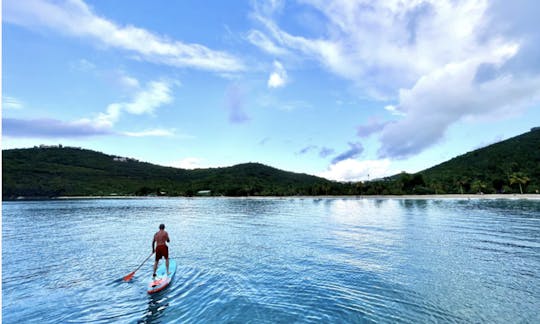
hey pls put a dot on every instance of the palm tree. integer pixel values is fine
(519, 178)
(461, 182)
(477, 186)
(438, 187)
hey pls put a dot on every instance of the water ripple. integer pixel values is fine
(274, 261)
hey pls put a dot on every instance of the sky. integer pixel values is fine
(347, 90)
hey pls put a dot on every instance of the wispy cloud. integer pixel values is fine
(146, 101)
(11, 103)
(262, 41)
(275, 102)
(326, 151)
(278, 77)
(381, 44)
(76, 18)
(440, 61)
(355, 149)
(323, 152)
(151, 132)
(393, 110)
(372, 126)
(128, 81)
(51, 128)
(307, 149)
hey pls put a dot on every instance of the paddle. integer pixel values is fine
(129, 276)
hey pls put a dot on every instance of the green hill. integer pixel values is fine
(510, 166)
(65, 171)
(496, 168)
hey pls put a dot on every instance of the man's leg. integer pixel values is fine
(167, 265)
(159, 255)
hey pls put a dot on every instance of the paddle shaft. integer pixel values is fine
(140, 265)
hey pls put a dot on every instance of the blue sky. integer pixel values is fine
(347, 90)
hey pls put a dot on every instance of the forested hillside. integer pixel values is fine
(497, 168)
(65, 171)
(510, 166)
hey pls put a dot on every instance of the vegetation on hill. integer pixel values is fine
(510, 166)
(65, 171)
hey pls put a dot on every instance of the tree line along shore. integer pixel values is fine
(508, 167)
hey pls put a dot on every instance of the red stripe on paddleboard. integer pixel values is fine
(158, 285)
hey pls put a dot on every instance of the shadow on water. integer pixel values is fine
(157, 304)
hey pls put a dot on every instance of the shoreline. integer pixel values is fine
(461, 196)
(399, 197)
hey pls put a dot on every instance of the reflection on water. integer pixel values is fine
(272, 260)
(157, 304)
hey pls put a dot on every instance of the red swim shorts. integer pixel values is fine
(162, 251)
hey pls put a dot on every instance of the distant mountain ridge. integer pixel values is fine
(509, 166)
(65, 171)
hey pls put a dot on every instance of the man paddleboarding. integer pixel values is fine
(160, 247)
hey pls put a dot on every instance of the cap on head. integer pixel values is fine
(161, 226)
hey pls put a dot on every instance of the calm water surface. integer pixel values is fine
(274, 261)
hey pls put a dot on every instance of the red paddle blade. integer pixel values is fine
(129, 276)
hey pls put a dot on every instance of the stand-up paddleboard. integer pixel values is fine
(162, 280)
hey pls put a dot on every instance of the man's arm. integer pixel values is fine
(153, 241)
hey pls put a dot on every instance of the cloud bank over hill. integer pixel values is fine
(432, 64)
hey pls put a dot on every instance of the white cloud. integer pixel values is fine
(151, 132)
(146, 101)
(275, 102)
(188, 163)
(278, 78)
(449, 95)
(393, 110)
(158, 93)
(430, 57)
(193, 163)
(11, 103)
(110, 117)
(373, 125)
(354, 170)
(51, 128)
(75, 18)
(386, 42)
(129, 82)
(262, 41)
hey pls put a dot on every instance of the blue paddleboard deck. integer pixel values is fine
(162, 280)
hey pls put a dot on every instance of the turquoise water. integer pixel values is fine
(273, 261)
